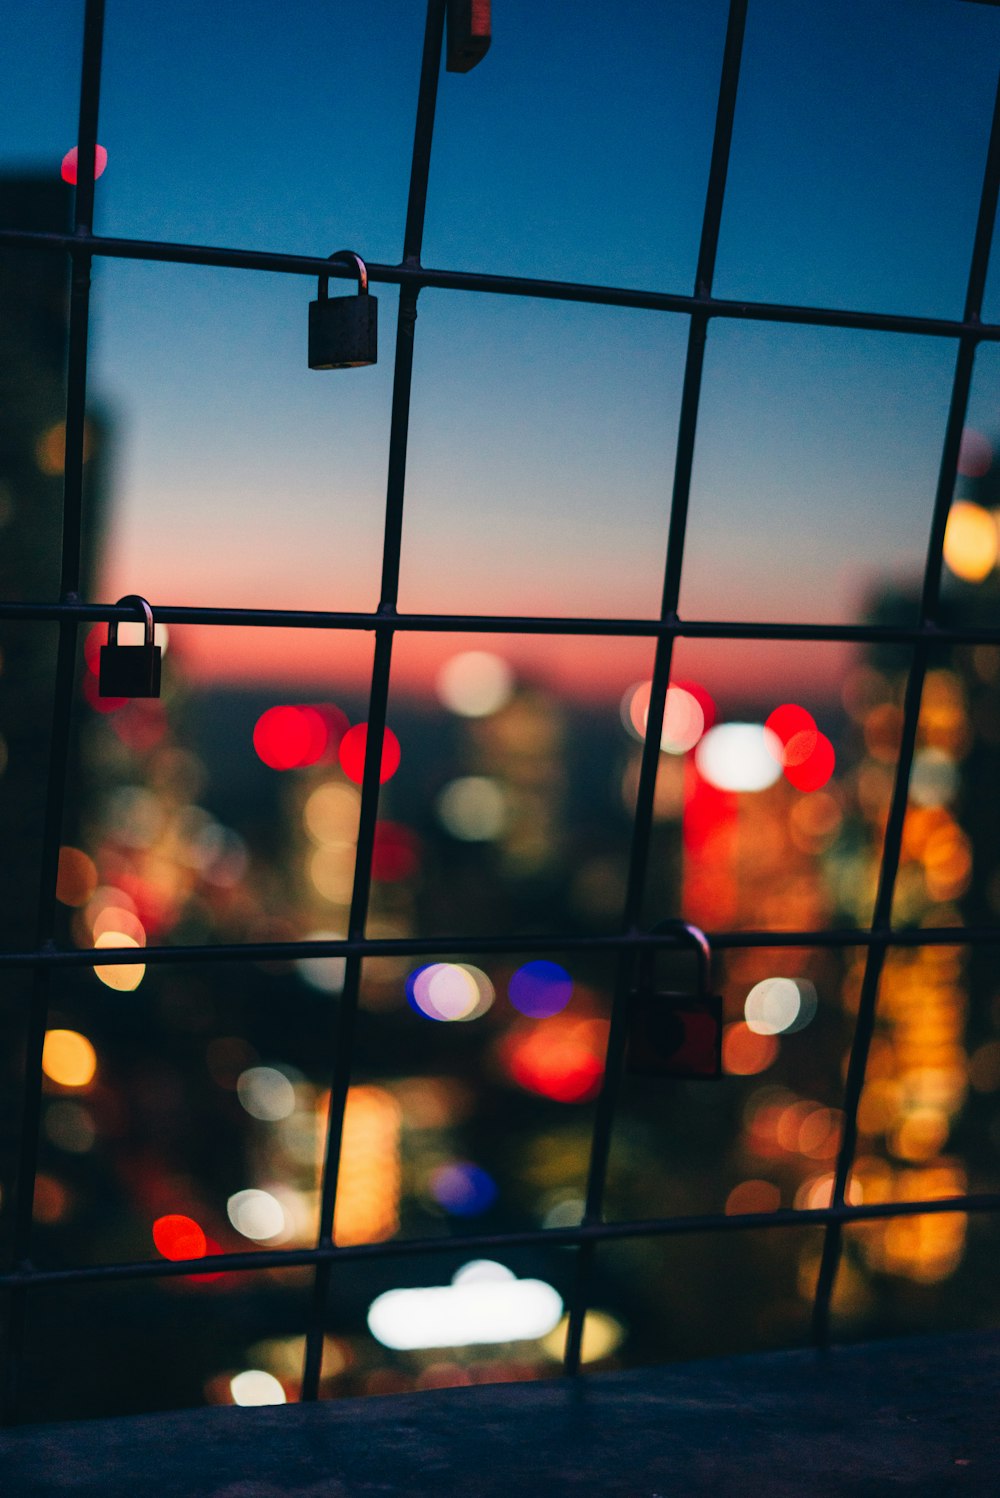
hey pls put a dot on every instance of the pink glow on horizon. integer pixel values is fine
(586, 669)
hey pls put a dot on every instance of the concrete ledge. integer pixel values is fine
(909, 1417)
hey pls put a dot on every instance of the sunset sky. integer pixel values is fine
(542, 435)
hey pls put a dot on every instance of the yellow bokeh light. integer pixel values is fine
(602, 1335)
(370, 1179)
(970, 541)
(68, 1058)
(126, 977)
(332, 812)
(331, 870)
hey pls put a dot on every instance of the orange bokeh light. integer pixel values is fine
(77, 877)
(744, 1052)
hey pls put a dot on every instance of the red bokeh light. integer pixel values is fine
(68, 169)
(710, 835)
(142, 725)
(815, 769)
(336, 723)
(157, 908)
(95, 638)
(211, 1248)
(96, 701)
(179, 1237)
(290, 738)
(395, 854)
(788, 720)
(282, 736)
(352, 753)
(556, 1059)
(317, 736)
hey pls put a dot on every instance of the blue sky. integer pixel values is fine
(543, 436)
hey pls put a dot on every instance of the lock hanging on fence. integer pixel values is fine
(130, 670)
(343, 330)
(675, 1034)
(469, 33)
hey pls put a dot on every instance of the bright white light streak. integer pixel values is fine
(484, 1304)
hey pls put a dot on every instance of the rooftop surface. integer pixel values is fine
(905, 1417)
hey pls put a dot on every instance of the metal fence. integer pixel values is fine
(71, 612)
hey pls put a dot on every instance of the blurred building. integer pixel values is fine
(34, 325)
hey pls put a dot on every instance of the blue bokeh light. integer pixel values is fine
(540, 989)
(463, 1189)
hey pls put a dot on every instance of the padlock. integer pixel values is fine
(130, 670)
(343, 330)
(675, 1034)
(469, 30)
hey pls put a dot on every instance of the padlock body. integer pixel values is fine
(675, 1035)
(469, 27)
(129, 671)
(343, 332)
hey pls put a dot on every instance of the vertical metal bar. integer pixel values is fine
(76, 408)
(381, 671)
(929, 604)
(642, 825)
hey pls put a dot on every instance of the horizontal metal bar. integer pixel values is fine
(569, 1237)
(420, 946)
(514, 624)
(450, 280)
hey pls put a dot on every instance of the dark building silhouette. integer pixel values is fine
(34, 326)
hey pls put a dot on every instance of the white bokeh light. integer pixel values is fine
(473, 808)
(452, 991)
(778, 1006)
(266, 1093)
(325, 973)
(683, 721)
(475, 683)
(256, 1214)
(254, 1386)
(934, 778)
(739, 757)
(485, 1303)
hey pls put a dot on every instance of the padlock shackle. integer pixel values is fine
(694, 937)
(145, 613)
(359, 266)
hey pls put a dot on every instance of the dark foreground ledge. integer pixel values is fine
(915, 1417)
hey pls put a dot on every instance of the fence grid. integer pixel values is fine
(70, 612)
